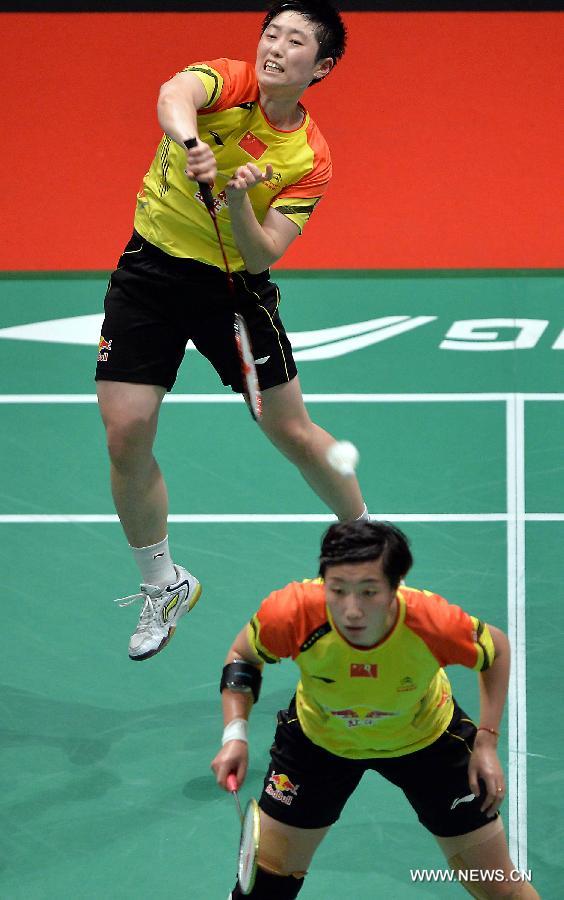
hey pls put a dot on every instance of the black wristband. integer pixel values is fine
(241, 677)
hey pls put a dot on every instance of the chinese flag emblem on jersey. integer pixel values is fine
(364, 670)
(253, 145)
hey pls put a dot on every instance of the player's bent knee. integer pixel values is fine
(129, 439)
(269, 886)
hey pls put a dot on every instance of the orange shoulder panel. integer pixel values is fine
(288, 616)
(314, 182)
(446, 629)
(239, 83)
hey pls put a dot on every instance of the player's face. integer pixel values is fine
(286, 54)
(362, 603)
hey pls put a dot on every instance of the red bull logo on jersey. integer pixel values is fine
(281, 788)
(104, 348)
(353, 718)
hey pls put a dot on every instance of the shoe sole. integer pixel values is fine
(190, 606)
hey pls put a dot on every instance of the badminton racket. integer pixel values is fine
(251, 388)
(250, 838)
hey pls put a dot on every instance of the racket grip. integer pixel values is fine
(204, 188)
(231, 782)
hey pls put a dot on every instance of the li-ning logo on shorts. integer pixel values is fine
(104, 348)
(283, 790)
(467, 799)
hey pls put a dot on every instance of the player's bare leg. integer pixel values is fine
(486, 850)
(284, 856)
(130, 413)
(286, 422)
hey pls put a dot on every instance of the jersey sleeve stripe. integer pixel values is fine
(165, 147)
(312, 638)
(294, 210)
(254, 627)
(484, 641)
(205, 70)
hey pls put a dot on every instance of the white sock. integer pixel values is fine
(363, 517)
(155, 564)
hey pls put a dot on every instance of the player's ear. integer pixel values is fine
(322, 68)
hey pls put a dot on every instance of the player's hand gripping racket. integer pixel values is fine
(250, 838)
(251, 387)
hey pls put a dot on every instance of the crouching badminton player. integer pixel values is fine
(372, 694)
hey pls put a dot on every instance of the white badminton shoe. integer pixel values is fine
(162, 609)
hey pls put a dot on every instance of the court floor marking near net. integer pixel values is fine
(515, 518)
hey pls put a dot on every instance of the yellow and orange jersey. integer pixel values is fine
(170, 212)
(382, 701)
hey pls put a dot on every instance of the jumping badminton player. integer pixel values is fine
(372, 694)
(269, 166)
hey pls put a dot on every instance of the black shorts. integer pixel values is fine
(155, 303)
(307, 787)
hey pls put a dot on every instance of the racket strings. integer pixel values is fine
(251, 387)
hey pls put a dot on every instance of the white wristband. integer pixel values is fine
(236, 730)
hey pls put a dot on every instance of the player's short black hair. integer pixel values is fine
(330, 30)
(362, 541)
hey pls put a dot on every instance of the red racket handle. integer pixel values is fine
(231, 782)
(205, 189)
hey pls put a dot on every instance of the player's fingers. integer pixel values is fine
(241, 771)
(499, 798)
(237, 184)
(491, 796)
(268, 173)
(221, 773)
(200, 152)
(473, 782)
(205, 177)
(215, 767)
(248, 177)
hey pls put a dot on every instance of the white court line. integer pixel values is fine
(266, 518)
(309, 398)
(544, 517)
(248, 518)
(517, 705)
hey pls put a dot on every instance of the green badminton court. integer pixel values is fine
(450, 384)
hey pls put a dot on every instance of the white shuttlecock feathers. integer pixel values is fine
(343, 457)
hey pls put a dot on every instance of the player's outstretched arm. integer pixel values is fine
(484, 762)
(177, 111)
(240, 686)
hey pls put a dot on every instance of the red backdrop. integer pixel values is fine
(446, 129)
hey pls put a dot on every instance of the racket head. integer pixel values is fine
(248, 847)
(248, 370)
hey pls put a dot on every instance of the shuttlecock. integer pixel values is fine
(343, 457)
